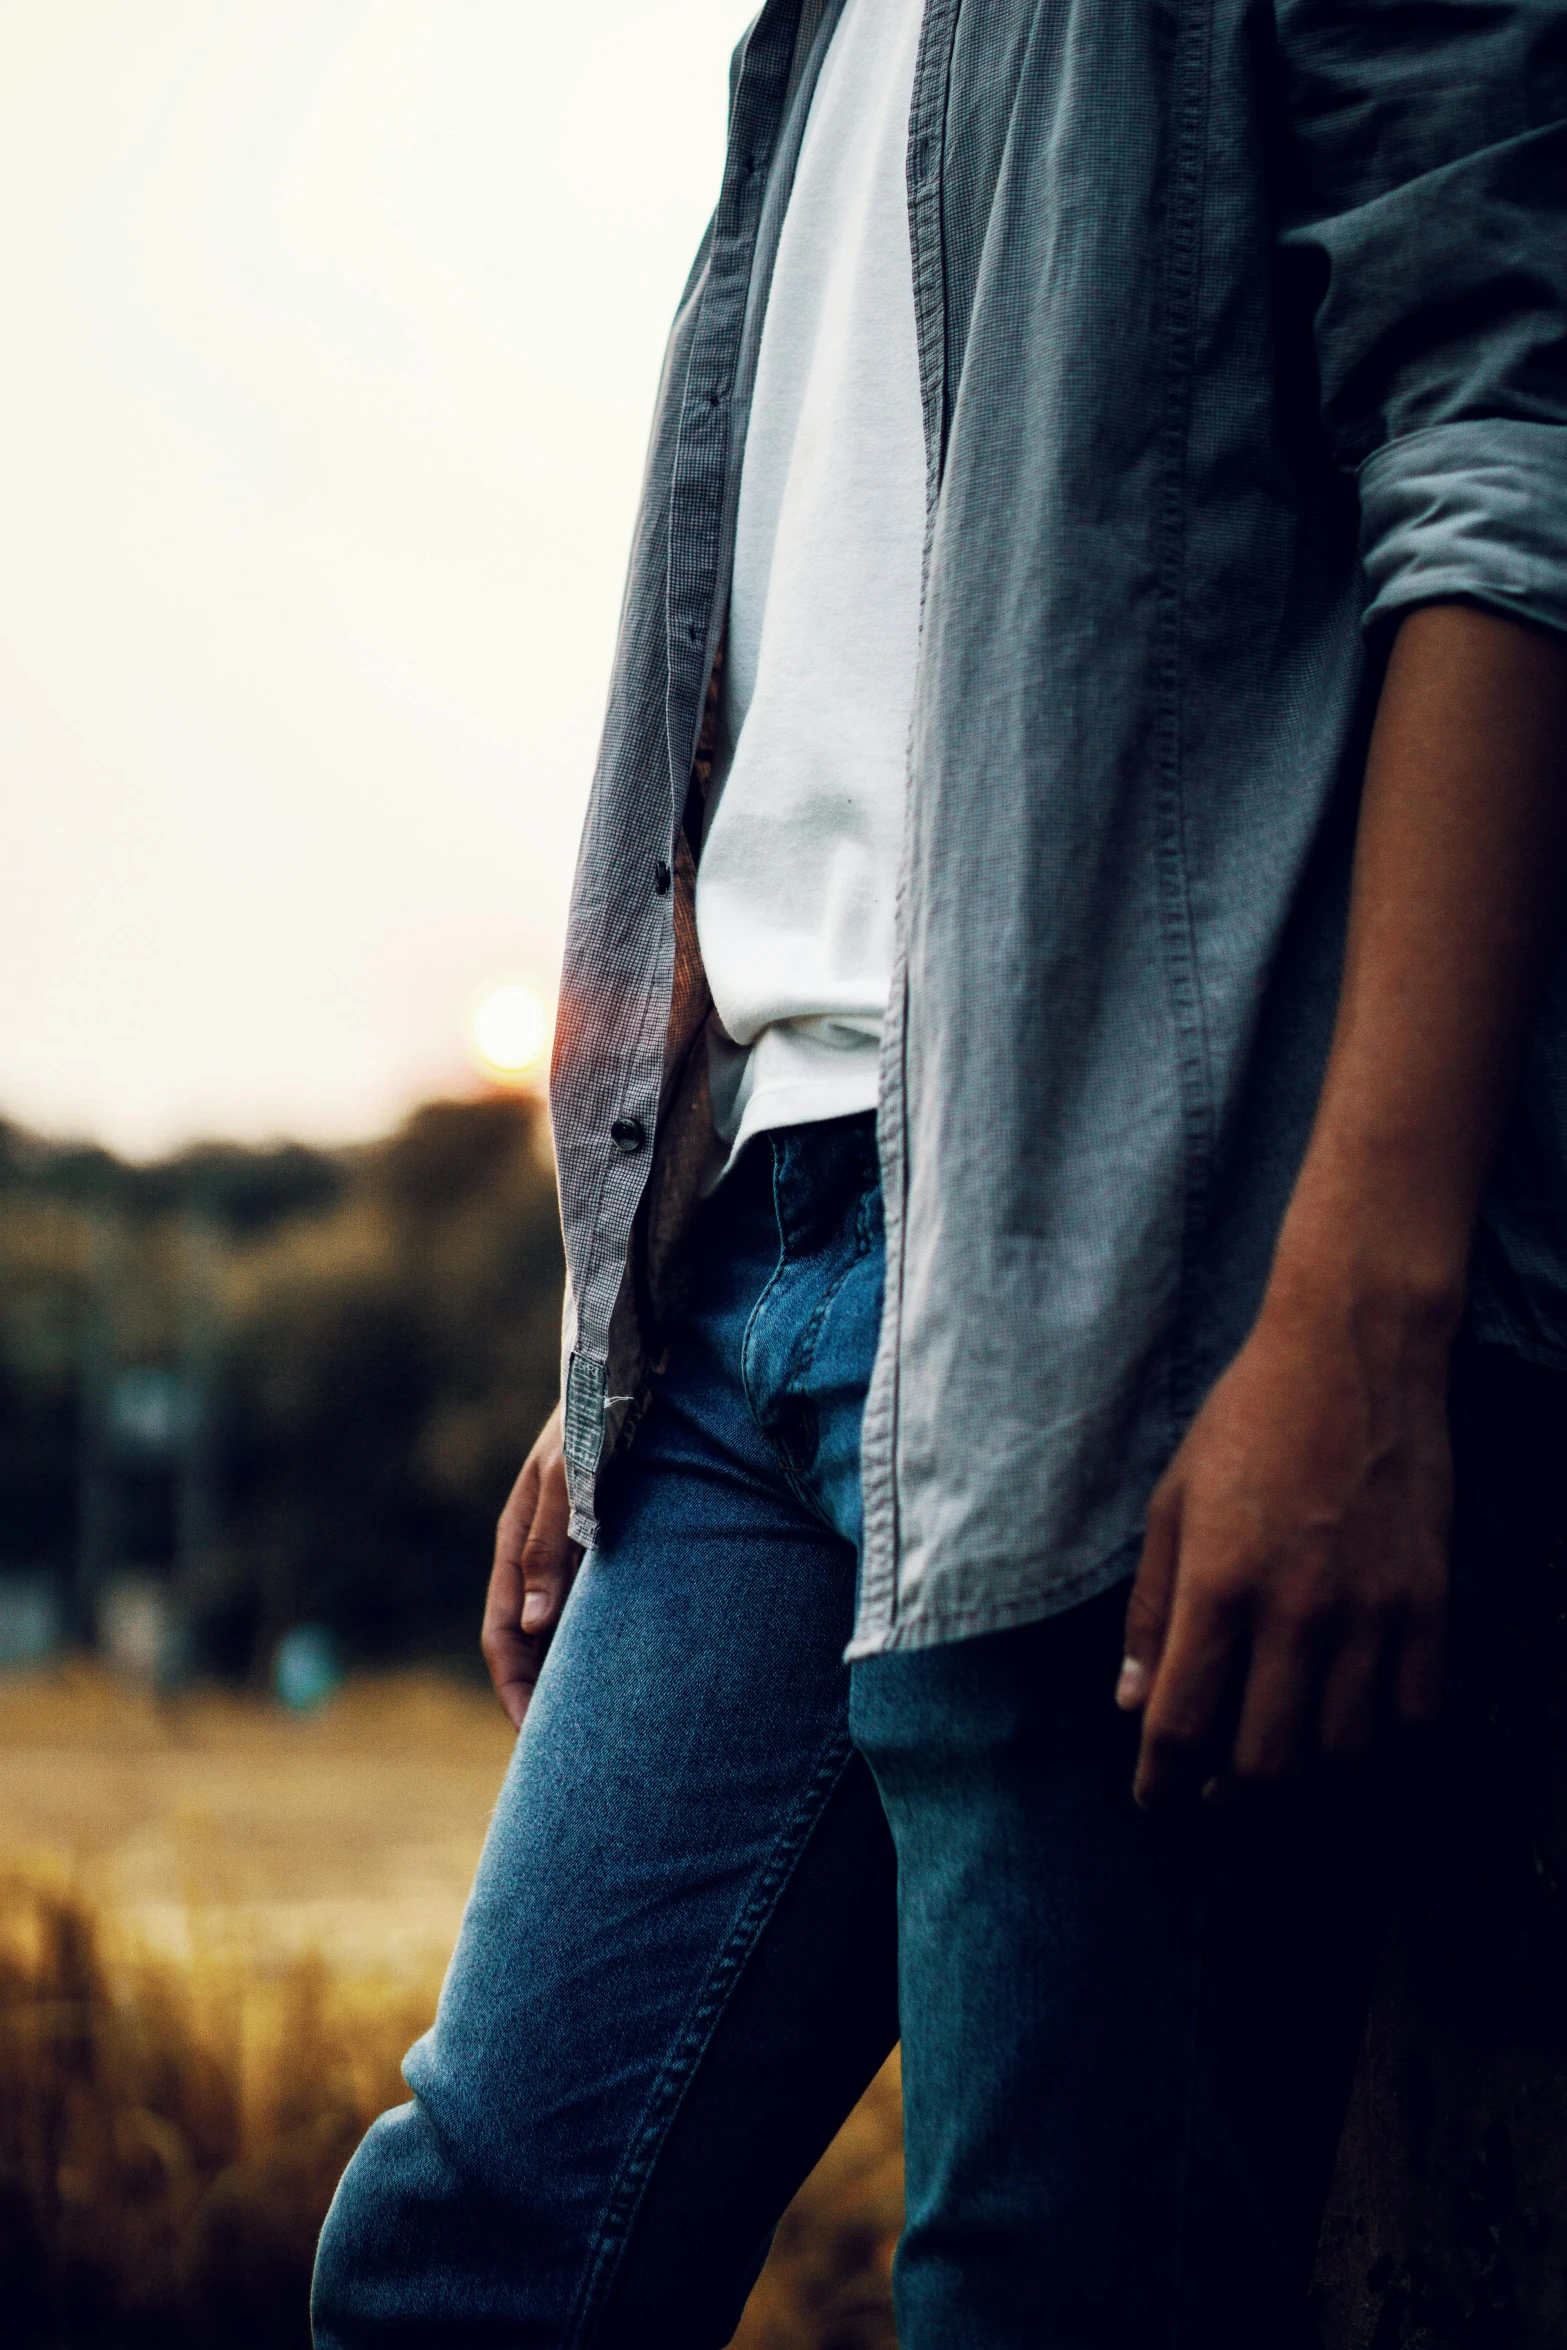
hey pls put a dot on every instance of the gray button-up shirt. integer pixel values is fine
(1242, 328)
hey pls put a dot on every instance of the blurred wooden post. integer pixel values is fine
(95, 1512)
(197, 1527)
(1447, 2228)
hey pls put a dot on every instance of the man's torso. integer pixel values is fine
(1138, 717)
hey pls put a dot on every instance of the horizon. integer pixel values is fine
(64, 1143)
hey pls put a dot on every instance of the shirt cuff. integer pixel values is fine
(1475, 510)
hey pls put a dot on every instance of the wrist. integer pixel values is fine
(1393, 1306)
(1368, 1243)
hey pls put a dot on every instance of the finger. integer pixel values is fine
(549, 1558)
(516, 1519)
(511, 1658)
(1417, 1673)
(1349, 1697)
(510, 1654)
(1148, 1609)
(1281, 1680)
(1197, 1669)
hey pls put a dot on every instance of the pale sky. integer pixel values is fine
(331, 334)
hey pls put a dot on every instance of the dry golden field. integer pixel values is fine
(219, 1928)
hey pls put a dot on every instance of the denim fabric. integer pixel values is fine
(1126, 2043)
(677, 1969)
(1218, 303)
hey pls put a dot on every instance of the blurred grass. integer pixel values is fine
(219, 1930)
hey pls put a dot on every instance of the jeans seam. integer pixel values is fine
(768, 1286)
(806, 1357)
(812, 1337)
(691, 2042)
(805, 1353)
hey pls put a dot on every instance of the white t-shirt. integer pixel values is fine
(795, 887)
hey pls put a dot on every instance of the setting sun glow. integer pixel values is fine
(508, 1030)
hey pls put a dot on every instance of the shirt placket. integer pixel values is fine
(879, 1439)
(694, 612)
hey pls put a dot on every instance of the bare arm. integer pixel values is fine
(1296, 1548)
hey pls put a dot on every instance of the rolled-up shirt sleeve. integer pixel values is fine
(1475, 510)
(1423, 229)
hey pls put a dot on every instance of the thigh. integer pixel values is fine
(677, 1968)
(1127, 2043)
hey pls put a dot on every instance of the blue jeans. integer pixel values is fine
(724, 1871)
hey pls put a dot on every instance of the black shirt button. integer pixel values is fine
(628, 1135)
(661, 877)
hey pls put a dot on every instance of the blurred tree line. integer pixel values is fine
(292, 1384)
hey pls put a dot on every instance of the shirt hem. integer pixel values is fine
(933, 1625)
(1489, 1324)
(780, 1108)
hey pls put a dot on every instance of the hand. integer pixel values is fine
(1296, 1553)
(536, 1563)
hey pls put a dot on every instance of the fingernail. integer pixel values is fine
(1132, 1688)
(535, 1607)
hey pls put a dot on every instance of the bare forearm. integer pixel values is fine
(1457, 894)
(1296, 1548)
